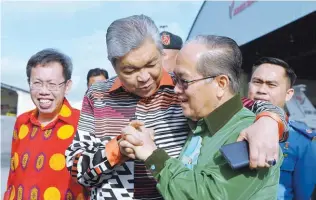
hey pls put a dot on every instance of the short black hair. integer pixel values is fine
(97, 72)
(276, 61)
(49, 55)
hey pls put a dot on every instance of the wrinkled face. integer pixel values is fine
(94, 79)
(270, 83)
(140, 70)
(200, 97)
(48, 88)
(169, 59)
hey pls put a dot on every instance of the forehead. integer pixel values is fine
(269, 72)
(188, 57)
(140, 56)
(98, 77)
(48, 71)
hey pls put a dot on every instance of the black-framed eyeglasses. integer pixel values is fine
(184, 84)
(50, 86)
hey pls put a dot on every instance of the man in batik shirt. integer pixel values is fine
(40, 137)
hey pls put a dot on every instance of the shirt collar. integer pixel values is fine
(219, 117)
(65, 114)
(166, 80)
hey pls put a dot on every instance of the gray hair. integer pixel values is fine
(49, 55)
(224, 57)
(129, 33)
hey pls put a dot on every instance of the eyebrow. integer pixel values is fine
(154, 59)
(274, 82)
(47, 81)
(259, 79)
(129, 65)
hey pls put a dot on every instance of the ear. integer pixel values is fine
(289, 94)
(68, 86)
(249, 85)
(223, 84)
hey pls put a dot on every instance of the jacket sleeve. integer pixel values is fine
(11, 176)
(175, 181)
(86, 156)
(304, 173)
(264, 106)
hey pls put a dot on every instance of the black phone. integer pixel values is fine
(236, 154)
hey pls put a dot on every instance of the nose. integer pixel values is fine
(44, 90)
(262, 89)
(143, 76)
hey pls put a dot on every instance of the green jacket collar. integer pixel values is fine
(219, 117)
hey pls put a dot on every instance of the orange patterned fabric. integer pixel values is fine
(38, 166)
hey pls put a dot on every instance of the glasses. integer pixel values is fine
(50, 86)
(184, 84)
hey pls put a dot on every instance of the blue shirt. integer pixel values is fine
(298, 170)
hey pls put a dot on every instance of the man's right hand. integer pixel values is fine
(133, 140)
(129, 133)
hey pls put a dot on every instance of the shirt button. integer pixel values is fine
(152, 167)
(309, 131)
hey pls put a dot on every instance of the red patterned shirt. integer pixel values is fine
(38, 168)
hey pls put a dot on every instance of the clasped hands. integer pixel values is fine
(137, 141)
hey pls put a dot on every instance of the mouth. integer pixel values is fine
(146, 87)
(45, 103)
(183, 100)
(261, 99)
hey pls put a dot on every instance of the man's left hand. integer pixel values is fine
(263, 139)
(145, 135)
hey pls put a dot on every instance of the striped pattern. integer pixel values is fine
(261, 106)
(103, 115)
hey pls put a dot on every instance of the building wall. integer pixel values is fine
(310, 89)
(9, 100)
(14, 103)
(245, 21)
(24, 102)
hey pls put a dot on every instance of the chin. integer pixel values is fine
(146, 94)
(46, 111)
(186, 112)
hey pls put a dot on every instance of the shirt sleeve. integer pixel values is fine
(265, 106)
(86, 157)
(304, 173)
(175, 181)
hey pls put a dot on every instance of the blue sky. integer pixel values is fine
(78, 29)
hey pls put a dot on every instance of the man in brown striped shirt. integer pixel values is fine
(142, 90)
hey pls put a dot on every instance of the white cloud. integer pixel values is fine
(90, 52)
(13, 72)
(87, 52)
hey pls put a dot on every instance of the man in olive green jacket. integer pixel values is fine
(207, 82)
